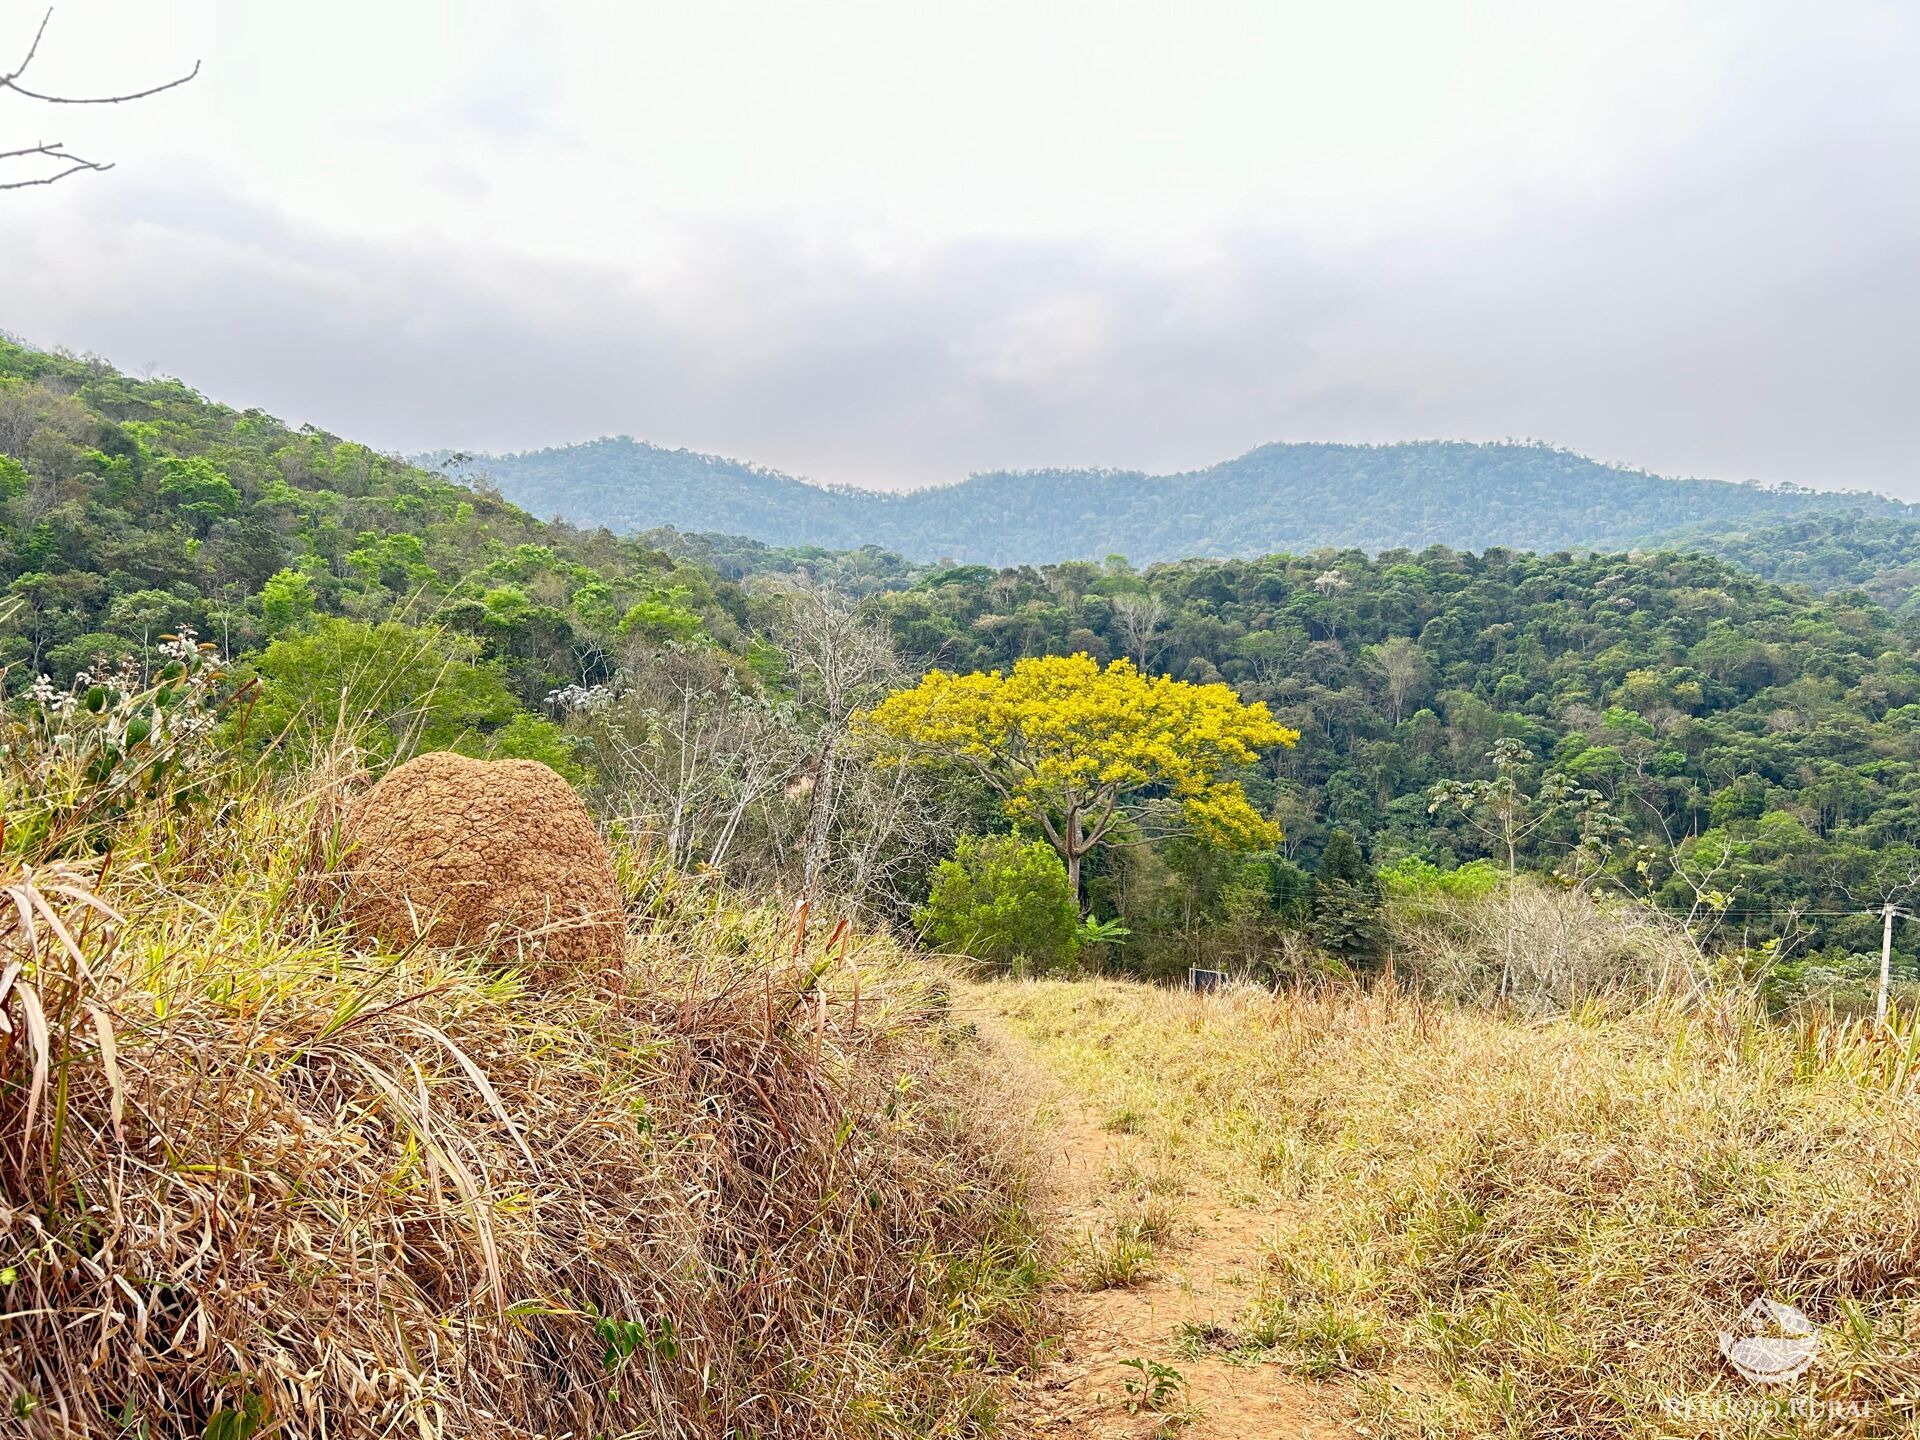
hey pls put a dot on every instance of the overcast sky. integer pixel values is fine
(890, 243)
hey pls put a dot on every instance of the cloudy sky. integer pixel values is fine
(890, 243)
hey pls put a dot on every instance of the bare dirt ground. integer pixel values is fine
(1198, 1285)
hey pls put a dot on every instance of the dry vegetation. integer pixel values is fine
(258, 1178)
(1491, 1226)
(1449, 941)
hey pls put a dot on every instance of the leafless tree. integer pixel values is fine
(1894, 884)
(1403, 669)
(58, 161)
(764, 785)
(891, 822)
(838, 662)
(1139, 618)
(688, 754)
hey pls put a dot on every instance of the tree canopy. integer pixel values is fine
(1083, 752)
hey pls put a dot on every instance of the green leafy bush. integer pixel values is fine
(393, 688)
(1417, 879)
(286, 602)
(662, 619)
(1003, 900)
(76, 762)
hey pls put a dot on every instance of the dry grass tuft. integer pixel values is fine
(1503, 1227)
(255, 1179)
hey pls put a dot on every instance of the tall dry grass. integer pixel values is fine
(1497, 1226)
(259, 1179)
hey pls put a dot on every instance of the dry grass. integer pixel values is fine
(258, 1179)
(1576, 949)
(1496, 1227)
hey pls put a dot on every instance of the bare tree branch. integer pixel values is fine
(74, 163)
(32, 50)
(57, 151)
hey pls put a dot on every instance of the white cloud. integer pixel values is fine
(891, 243)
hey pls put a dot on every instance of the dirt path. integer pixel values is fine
(1196, 1285)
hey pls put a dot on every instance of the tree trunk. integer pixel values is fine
(813, 845)
(1887, 912)
(1506, 970)
(1073, 851)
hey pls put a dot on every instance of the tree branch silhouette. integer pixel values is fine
(56, 152)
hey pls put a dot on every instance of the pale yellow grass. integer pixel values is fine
(260, 1178)
(1491, 1227)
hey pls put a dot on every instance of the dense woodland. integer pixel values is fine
(1876, 554)
(130, 508)
(1756, 749)
(1278, 497)
(1745, 732)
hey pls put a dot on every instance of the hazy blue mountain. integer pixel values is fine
(1279, 497)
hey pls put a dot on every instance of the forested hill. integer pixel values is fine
(131, 508)
(1775, 737)
(1280, 497)
(629, 486)
(1877, 554)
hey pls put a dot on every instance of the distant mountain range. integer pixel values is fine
(1279, 497)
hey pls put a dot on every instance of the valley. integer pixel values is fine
(1105, 861)
(1541, 896)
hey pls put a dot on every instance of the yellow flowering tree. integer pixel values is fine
(1077, 750)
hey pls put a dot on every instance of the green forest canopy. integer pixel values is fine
(1776, 732)
(1716, 711)
(130, 508)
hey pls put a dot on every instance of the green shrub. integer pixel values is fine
(663, 620)
(394, 688)
(1003, 900)
(286, 602)
(1417, 879)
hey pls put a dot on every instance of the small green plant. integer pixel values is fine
(244, 1423)
(1153, 1388)
(1095, 931)
(118, 739)
(1321, 1337)
(1193, 1341)
(1153, 1217)
(625, 1338)
(1116, 1257)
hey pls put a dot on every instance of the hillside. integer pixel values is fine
(1711, 706)
(1767, 736)
(1877, 554)
(130, 508)
(619, 1202)
(1278, 497)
